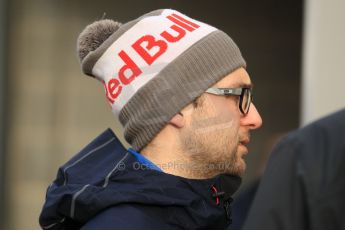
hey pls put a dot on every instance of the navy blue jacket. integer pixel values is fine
(106, 187)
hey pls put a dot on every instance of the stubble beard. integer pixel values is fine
(212, 153)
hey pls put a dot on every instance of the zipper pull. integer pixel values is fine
(228, 211)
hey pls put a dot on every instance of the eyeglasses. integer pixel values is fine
(246, 96)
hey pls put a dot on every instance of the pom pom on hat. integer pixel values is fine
(94, 35)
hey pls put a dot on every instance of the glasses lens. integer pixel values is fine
(246, 101)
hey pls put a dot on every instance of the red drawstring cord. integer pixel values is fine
(215, 191)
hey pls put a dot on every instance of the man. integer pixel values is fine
(180, 89)
(303, 185)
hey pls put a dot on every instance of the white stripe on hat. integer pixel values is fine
(147, 50)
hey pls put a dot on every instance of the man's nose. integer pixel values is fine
(252, 119)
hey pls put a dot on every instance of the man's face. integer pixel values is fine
(216, 132)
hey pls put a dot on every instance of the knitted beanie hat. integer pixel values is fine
(154, 66)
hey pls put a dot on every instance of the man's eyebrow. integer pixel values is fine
(245, 85)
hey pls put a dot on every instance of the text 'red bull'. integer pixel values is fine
(129, 71)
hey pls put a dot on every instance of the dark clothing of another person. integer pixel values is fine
(304, 183)
(106, 187)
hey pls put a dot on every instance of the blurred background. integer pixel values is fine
(49, 110)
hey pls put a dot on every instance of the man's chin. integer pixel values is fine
(239, 169)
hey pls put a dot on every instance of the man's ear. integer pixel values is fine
(177, 120)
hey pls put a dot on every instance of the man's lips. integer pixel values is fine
(245, 141)
(243, 144)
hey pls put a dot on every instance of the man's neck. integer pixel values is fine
(173, 161)
(165, 152)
